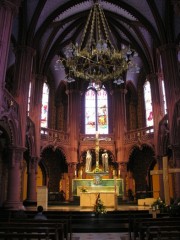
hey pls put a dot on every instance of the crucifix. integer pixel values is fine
(165, 172)
(97, 140)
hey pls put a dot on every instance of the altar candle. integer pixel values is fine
(119, 172)
(75, 173)
(97, 134)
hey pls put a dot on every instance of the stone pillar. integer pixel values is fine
(176, 158)
(71, 174)
(14, 200)
(35, 108)
(23, 75)
(123, 171)
(119, 121)
(171, 79)
(74, 122)
(8, 9)
(157, 102)
(161, 183)
(31, 181)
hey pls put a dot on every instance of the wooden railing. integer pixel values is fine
(142, 134)
(51, 135)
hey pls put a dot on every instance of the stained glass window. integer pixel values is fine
(96, 111)
(29, 98)
(164, 98)
(148, 104)
(44, 109)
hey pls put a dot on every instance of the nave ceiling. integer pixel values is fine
(48, 26)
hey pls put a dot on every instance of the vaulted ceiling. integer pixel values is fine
(48, 26)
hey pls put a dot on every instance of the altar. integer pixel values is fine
(88, 199)
(105, 186)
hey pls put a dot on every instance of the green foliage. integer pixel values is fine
(174, 207)
(99, 207)
(159, 205)
(83, 189)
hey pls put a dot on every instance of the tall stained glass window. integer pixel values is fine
(44, 109)
(96, 111)
(164, 98)
(29, 98)
(148, 104)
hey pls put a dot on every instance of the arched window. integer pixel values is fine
(29, 99)
(148, 104)
(164, 98)
(163, 88)
(44, 109)
(96, 111)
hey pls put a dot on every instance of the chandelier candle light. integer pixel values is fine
(95, 59)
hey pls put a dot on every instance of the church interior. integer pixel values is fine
(89, 102)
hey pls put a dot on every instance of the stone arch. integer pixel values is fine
(111, 160)
(54, 164)
(141, 161)
(5, 143)
(176, 125)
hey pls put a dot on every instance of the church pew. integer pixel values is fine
(56, 230)
(163, 232)
(27, 236)
(140, 226)
(56, 217)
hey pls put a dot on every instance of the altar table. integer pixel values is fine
(88, 199)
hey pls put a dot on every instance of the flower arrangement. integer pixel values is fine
(99, 207)
(174, 207)
(83, 189)
(159, 205)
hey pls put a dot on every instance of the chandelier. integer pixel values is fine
(96, 59)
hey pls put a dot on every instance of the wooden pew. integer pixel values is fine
(141, 226)
(53, 230)
(52, 217)
(27, 236)
(163, 233)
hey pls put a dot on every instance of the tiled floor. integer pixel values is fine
(100, 236)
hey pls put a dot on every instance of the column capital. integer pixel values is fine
(17, 155)
(168, 46)
(152, 76)
(25, 49)
(13, 5)
(118, 90)
(176, 5)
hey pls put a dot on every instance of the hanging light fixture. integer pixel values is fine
(96, 59)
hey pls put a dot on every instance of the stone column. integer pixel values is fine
(74, 122)
(176, 158)
(157, 101)
(35, 108)
(14, 200)
(23, 75)
(71, 174)
(31, 181)
(8, 9)
(123, 171)
(161, 183)
(171, 79)
(119, 121)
